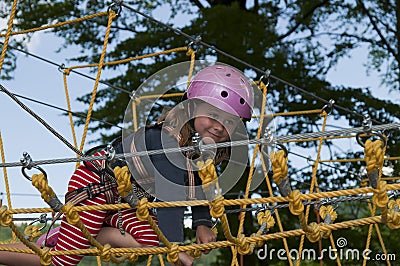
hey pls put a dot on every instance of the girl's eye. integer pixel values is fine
(213, 115)
(229, 122)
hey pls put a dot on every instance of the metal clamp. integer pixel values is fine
(367, 126)
(328, 108)
(194, 45)
(110, 153)
(42, 219)
(196, 142)
(27, 163)
(335, 204)
(62, 68)
(371, 133)
(118, 4)
(282, 147)
(266, 76)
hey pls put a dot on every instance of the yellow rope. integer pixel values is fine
(111, 16)
(123, 177)
(264, 90)
(71, 121)
(58, 24)
(373, 154)
(6, 183)
(312, 235)
(279, 166)
(127, 60)
(8, 33)
(393, 219)
(32, 232)
(285, 244)
(39, 181)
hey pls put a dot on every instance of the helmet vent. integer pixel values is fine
(242, 101)
(224, 94)
(228, 74)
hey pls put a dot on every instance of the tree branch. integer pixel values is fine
(197, 3)
(309, 13)
(375, 26)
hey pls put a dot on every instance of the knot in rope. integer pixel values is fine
(45, 257)
(394, 214)
(123, 177)
(172, 255)
(32, 231)
(39, 181)
(259, 243)
(67, 71)
(323, 113)
(5, 217)
(314, 232)
(380, 197)
(364, 182)
(261, 85)
(197, 254)
(133, 257)
(207, 171)
(71, 215)
(217, 207)
(190, 52)
(142, 211)
(106, 253)
(265, 218)
(279, 166)
(244, 247)
(296, 206)
(374, 154)
(328, 213)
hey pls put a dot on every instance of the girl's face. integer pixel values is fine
(211, 122)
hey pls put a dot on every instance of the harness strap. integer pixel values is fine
(191, 190)
(90, 191)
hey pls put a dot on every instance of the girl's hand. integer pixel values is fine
(204, 234)
(185, 259)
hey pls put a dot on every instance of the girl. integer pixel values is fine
(217, 100)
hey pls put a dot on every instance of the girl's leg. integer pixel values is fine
(141, 231)
(70, 236)
(17, 259)
(112, 236)
(108, 235)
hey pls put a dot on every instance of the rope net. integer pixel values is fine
(376, 190)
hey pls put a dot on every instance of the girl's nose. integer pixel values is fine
(218, 126)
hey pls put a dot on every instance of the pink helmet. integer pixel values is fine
(224, 87)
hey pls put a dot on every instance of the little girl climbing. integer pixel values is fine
(218, 99)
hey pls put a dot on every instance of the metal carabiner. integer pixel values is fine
(367, 126)
(42, 219)
(371, 133)
(266, 76)
(110, 153)
(116, 3)
(194, 45)
(27, 163)
(328, 108)
(196, 142)
(282, 147)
